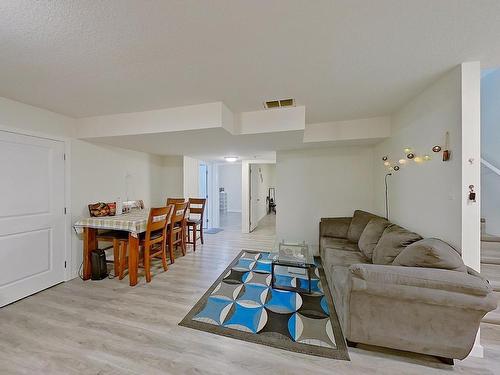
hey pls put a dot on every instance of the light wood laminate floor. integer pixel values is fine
(106, 327)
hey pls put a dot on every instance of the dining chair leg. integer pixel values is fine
(116, 256)
(194, 237)
(164, 256)
(201, 232)
(171, 247)
(147, 263)
(183, 240)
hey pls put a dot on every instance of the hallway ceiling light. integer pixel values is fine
(231, 159)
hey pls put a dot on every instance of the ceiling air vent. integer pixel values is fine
(279, 103)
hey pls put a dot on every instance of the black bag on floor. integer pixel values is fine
(99, 268)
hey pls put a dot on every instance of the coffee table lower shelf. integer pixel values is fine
(309, 270)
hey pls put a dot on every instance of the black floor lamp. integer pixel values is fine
(387, 196)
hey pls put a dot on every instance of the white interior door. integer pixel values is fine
(254, 196)
(32, 246)
(203, 189)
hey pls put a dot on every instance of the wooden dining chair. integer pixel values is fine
(175, 200)
(176, 231)
(194, 222)
(152, 242)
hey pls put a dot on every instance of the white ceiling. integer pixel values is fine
(342, 59)
(215, 143)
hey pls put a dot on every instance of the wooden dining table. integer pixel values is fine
(133, 223)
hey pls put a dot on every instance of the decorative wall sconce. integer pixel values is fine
(411, 155)
(446, 152)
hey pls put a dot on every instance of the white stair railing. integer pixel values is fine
(490, 166)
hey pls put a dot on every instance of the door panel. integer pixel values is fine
(254, 196)
(17, 248)
(32, 246)
(28, 169)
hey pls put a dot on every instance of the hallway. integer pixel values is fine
(266, 226)
(231, 221)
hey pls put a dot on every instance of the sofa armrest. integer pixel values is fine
(334, 226)
(427, 278)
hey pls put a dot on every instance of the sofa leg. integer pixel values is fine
(351, 344)
(448, 361)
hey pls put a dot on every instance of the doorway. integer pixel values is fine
(262, 198)
(229, 188)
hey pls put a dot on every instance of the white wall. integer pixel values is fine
(366, 128)
(191, 177)
(169, 182)
(425, 197)
(490, 150)
(230, 179)
(16, 115)
(104, 173)
(317, 183)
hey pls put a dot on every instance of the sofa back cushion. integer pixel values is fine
(358, 223)
(334, 227)
(371, 235)
(431, 253)
(391, 244)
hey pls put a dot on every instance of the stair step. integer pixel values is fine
(490, 246)
(492, 273)
(493, 317)
(490, 260)
(490, 252)
(490, 238)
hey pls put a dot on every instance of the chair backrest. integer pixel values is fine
(175, 200)
(131, 205)
(197, 206)
(158, 219)
(179, 212)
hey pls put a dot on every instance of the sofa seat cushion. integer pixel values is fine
(371, 235)
(339, 244)
(334, 257)
(358, 223)
(391, 244)
(340, 290)
(431, 253)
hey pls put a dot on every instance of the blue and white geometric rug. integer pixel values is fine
(241, 304)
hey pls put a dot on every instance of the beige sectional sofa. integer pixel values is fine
(392, 288)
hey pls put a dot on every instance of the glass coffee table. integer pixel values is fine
(292, 260)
